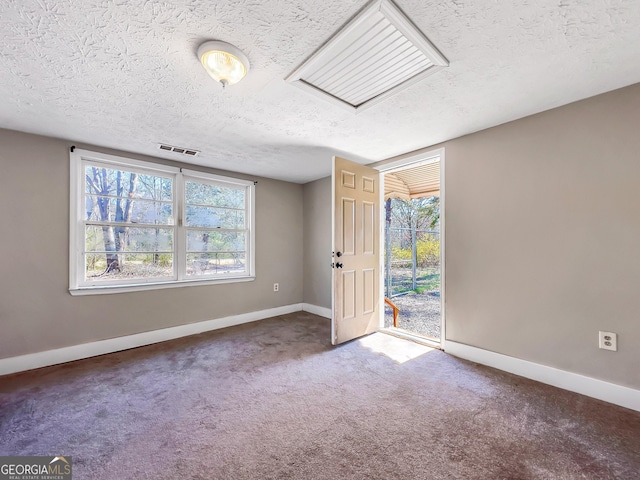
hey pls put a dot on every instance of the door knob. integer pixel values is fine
(339, 254)
(338, 265)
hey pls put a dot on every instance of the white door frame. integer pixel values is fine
(414, 160)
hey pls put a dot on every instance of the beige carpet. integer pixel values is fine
(273, 400)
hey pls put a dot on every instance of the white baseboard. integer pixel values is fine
(591, 387)
(86, 350)
(316, 310)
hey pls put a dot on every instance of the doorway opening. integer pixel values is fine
(413, 221)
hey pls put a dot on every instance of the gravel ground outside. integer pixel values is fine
(419, 313)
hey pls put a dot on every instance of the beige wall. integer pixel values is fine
(542, 232)
(543, 237)
(317, 242)
(36, 310)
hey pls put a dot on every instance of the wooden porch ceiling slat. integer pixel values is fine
(414, 182)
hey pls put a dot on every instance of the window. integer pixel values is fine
(137, 225)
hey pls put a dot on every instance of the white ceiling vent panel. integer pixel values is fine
(375, 55)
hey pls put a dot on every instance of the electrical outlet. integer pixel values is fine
(608, 341)
(276, 287)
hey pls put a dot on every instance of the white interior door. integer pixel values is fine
(356, 259)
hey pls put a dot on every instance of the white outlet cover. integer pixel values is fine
(608, 341)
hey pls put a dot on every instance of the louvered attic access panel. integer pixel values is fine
(374, 56)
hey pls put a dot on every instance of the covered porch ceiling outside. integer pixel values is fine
(413, 182)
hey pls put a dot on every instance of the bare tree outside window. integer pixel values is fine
(141, 225)
(412, 245)
(117, 201)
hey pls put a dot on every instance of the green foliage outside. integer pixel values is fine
(141, 242)
(427, 250)
(408, 221)
(428, 281)
(428, 266)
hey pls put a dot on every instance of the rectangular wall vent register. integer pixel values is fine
(181, 150)
(374, 56)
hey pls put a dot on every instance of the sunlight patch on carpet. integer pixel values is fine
(397, 349)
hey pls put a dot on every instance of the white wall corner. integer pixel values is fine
(591, 387)
(101, 347)
(316, 310)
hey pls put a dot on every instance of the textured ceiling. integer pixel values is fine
(124, 74)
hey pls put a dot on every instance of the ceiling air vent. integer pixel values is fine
(372, 57)
(184, 151)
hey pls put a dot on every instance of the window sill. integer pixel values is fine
(107, 289)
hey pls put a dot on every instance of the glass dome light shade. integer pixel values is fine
(224, 62)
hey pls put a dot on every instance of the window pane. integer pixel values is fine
(104, 209)
(214, 217)
(208, 241)
(215, 263)
(127, 239)
(134, 230)
(214, 195)
(128, 266)
(125, 184)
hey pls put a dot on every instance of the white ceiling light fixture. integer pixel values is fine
(372, 57)
(223, 62)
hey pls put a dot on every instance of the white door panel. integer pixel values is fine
(356, 290)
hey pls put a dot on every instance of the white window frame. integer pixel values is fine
(77, 284)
